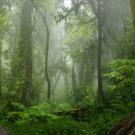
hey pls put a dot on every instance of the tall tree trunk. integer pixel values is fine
(101, 95)
(73, 77)
(132, 3)
(0, 63)
(26, 49)
(46, 57)
(66, 86)
(74, 85)
(99, 14)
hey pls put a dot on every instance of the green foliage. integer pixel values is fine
(122, 77)
(80, 46)
(11, 107)
(38, 120)
(80, 96)
(33, 122)
(103, 118)
(90, 95)
(79, 38)
(84, 96)
(3, 17)
(13, 116)
(64, 107)
(41, 108)
(128, 44)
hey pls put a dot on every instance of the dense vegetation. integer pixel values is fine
(67, 67)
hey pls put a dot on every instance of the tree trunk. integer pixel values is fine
(132, 4)
(26, 49)
(124, 127)
(66, 86)
(101, 95)
(97, 8)
(73, 77)
(0, 64)
(46, 57)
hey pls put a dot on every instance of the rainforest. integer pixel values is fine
(67, 67)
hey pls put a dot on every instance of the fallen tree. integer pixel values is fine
(124, 127)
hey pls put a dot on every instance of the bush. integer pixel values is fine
(122, 79)
(64, 107)
(13, 117)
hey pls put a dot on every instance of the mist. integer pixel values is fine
(67, 61)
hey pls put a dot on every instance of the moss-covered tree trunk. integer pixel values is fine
(26, 50)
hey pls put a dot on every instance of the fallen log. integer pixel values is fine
(124, 127)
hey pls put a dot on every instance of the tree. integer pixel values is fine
(132, 3)
(21, 63)
(46, 57)
(3, 5)
(87, 45)
(101, 94)
(1, 35)
(26, 48)
(98, 10)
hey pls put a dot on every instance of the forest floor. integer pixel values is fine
(39, 120)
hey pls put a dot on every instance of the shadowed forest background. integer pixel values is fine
(67, 67)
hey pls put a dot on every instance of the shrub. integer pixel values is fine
(122, 79)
